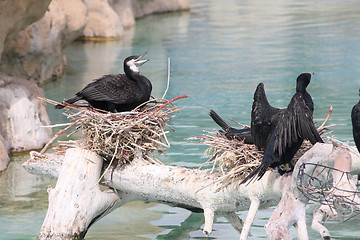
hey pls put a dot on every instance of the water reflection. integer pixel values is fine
(23, 202)
(124, 221)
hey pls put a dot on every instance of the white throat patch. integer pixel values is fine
(133, 67)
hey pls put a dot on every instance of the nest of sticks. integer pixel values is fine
(119, 135)
(235, 159)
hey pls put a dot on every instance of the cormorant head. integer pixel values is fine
(134, 62)
(303, 81)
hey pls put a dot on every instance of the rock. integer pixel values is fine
(14, 17)
(37, 52)
(103, 20)
(124, 10)
(108, 18)
(76, 18)
(17, 15)
(142, 8)
(4, 157)
(21, 115)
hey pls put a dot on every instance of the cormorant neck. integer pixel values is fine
(301, 87)
(141, 80)
(130, 73)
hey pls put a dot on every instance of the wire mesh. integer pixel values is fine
(319, 185)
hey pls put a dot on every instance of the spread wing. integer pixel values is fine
(110, 88)
(262, 114)
(294, 124)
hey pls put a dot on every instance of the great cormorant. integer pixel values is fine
(230, 132)
(355, 119)
(118, 92)
(280, 132)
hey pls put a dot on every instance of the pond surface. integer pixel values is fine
(219, 52)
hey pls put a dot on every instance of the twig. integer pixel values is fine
(156, 100)
(112, 159)
(170, 101)
(56, 135)
(56, 125)
(243, 125)
(327, 118)
(168, 80)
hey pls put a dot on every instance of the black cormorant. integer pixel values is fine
(280, 132)
(230, 132)
(355, 119)
(118, 92)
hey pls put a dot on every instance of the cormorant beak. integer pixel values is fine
(138, 62)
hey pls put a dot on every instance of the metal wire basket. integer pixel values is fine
(340, 194)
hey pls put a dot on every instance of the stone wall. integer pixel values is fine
(15, 15)
(37, 52)
(108, 18)
(22, 114)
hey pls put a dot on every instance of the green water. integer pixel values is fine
(219, 52)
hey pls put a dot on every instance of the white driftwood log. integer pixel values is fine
(189, 188)
(77, 202)
(291, 209)
(289, 212)
(344, 186)
(319, 154)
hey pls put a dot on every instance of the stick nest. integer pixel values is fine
(118, 135)
(236, 159)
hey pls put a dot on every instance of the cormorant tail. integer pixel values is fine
(257, 173)
(219, 120)
(70, 101)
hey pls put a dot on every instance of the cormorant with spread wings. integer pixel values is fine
(280, 132)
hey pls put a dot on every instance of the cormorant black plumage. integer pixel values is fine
(355, 119)
(230, 132)
(280, 132)
(119, 92)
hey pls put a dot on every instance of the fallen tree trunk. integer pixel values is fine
(290, 211)
(69, 215)
(188, 188)
(179, 186)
